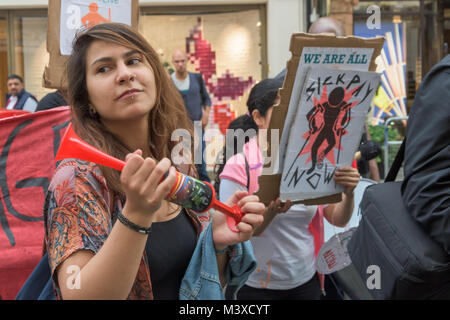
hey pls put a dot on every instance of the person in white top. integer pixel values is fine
(283, 244)
(17, 98)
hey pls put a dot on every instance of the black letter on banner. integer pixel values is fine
(5, 227)
(3, 180)
(57, 137)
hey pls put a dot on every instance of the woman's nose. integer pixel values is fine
(125, 75)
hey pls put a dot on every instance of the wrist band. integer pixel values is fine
(132, 225)
(221, 251)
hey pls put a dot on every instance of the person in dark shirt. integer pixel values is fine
(52, 100)
(196, 100)
(426, 186)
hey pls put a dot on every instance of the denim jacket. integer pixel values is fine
(201, 280)
(81, 190)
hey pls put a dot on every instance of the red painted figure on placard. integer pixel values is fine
(93, 18)
(334, 116)
(327, 122)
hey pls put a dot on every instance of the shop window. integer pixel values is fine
(446, 11)
(230, 53)
(30, 51)
(414, 40)
(225, 44)
(424, 30)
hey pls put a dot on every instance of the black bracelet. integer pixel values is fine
(132, 225)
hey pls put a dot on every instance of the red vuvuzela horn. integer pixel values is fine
(73, 147)
(188, 192)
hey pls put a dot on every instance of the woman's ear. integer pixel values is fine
(258, 118)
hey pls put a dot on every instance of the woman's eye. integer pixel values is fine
(134, 61)
(103, 69)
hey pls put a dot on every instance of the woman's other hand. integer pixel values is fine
(252, 217)
(277, 206)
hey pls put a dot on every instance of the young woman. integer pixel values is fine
(285, 251)
(110, 234)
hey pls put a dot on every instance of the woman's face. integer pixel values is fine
(264, 121)
(120, 82)
(266, 118)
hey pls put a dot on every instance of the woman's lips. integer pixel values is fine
(128, 94)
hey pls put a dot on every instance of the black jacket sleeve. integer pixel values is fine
(426, 187)
(51, 100)
(206, 101)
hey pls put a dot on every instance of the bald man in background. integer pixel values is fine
(321, 25)
(327, 25)
(196, 99)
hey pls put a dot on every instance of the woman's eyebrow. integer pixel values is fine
(103, 59)
(130, 53)
(109, 59)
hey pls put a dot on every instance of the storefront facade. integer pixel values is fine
(425, 25)
(249, 39)
(417, 35)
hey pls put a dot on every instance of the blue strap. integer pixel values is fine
(39, 285)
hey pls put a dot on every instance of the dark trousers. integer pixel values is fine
(307, 291)
(201, 168)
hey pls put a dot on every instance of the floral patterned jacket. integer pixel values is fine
(79, 215)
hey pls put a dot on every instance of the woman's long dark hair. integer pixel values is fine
(167, 115)
(262, 97)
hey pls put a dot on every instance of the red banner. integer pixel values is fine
(28, 144)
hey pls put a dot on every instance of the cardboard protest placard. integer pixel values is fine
(334, 104)
(67, 17)
(346, 53)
